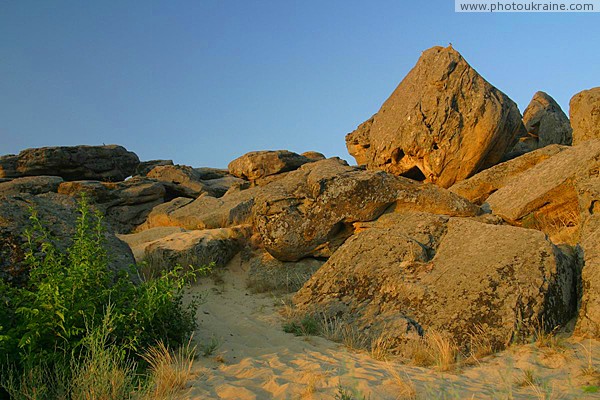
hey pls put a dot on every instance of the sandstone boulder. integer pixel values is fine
(58, 213)
(181, 181)
(544, 196)
(140, 240)
(258, 164)
(195, 248)
(124, 204)
(427, 273)
(480, 186)
(31, 185)
(106, 163)
(146, 166)
(584, 110)
(207, 173)
(310, 211)
(546, 124)
(313, 155)
(268, 274)
(443, 123)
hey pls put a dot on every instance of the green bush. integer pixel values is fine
(68, 293)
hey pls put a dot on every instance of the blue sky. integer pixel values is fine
(204, 81)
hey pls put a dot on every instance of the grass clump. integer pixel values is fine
(78, 324)
(306, 326)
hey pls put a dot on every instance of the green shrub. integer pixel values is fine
(49, 320)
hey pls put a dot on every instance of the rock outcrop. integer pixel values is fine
(124, 204)
(546, 124)
(443, 123)
(480, 186)
(146, 166)
(31, 185)
(584, 111)
(259, 164)
(420, 273)
(110, 163)
(310, 212)
(546, 193)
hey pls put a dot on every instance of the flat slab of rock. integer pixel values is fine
(146, 166)
(584, 111)
(430, 273)
(104, 163)
(547, 190)
(31, 185)
(546, 124)
(140, 240)
(443, 123)
(480, 186)
(259, 164)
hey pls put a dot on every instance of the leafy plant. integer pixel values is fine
(51, 320)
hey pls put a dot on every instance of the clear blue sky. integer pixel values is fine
(204, 81)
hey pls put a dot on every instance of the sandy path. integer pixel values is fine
(255, 359)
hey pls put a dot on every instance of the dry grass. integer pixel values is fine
(406, 387)
(433, 349)
(381, 347)
(169, 370)
(561, 228)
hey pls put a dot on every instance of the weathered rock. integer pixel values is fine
(480, 186)
(588, 191)
(31, 185)
(313, 155)
(181, 181)
(546, 124)
(195, 248)
(423, 274)
(146, 166)
(106, 163)
(140, 240)
(544, 197)
(218, 187)
(58, 213)
(207, 173)
(124, 204)
(267, 274)
(584, 110)
(443, 123)
(258, 164)
(310, 212)
(206, 212)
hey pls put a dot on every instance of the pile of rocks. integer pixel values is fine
(462, 216)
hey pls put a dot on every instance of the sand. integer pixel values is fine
(255, 359)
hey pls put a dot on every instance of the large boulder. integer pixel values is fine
(139, 241)
(588, 191)
(258, 164)
(480, 186)
(546, 124)
(545, 196)
(429, 273)
(31, 185)
(182, 181)
(443, 123)
(146, 166)
(58, 214)
(106, 163)
(584, 110)
(198, 248)
(124, 204)
(310, 211)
